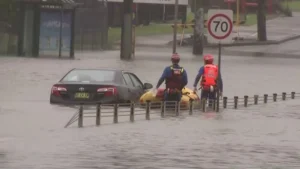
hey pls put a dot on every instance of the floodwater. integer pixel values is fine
(265, 136)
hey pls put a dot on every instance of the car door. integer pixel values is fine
(130, 86)
(138, 86)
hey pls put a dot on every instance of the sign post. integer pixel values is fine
(219, 26)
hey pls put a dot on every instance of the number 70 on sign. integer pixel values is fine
(220, 26)
(224, 26)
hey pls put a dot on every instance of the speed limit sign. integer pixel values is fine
(220, 26)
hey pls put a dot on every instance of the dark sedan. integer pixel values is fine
(91, 86)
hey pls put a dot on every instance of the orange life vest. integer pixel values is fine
(210, 75)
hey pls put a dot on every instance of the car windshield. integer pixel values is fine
(90, 76)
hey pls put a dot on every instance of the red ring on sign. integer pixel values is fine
(230, 26)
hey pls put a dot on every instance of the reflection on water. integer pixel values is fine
(264, 136)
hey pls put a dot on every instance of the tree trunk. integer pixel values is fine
(261, 21)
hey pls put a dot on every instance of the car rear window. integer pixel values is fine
(90, 75)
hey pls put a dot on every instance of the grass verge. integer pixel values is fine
(252, 19)
(293, 5)
(114, 34)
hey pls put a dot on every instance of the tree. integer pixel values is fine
(261, 21)
(198, 36)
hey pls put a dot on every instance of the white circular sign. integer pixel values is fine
(219, 26)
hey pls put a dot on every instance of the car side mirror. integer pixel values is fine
(147, 86)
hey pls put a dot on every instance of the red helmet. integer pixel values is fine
(208, 59)
(175, 58)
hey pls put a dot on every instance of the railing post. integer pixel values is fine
(98, 114)
(293, 95)
(116, 113)
(214, 103)
(224, 102)
(132, 106)
(148, 109)
(80, 116)
(203, 104)
(191, 107)
(236, 100)
(256, 99)
(246, 101)
(177, 108)
(283, 95)
(163, 108)
(274, 97)
(265, 98)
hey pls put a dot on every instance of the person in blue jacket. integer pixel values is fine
(209, 76)
(176, 79)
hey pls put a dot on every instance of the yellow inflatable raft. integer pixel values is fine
(187, 94)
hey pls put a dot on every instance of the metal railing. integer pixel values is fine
(168, 108)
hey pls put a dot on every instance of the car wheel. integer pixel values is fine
(51, 101)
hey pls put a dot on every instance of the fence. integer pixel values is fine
(165, 109)
(91, 27)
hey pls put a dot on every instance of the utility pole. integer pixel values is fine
(60, 30)
(175, 27)
(104, 30)
(126, 32)
(261, 21)
(238, 18)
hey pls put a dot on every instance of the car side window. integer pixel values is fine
(124, 82)
(127, 79)
(136, 81)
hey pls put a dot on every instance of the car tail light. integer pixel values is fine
(57, 89)
(108, 91)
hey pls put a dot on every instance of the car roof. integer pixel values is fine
(108, 69)
(117, 71)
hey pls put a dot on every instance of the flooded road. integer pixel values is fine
(265, 136)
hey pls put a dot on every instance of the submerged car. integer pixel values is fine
(91, 86)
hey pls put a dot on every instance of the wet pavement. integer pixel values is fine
(265, 136)
(288, 49)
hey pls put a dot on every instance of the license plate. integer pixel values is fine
(82, 96)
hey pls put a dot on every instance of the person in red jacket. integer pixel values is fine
(209, 76)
